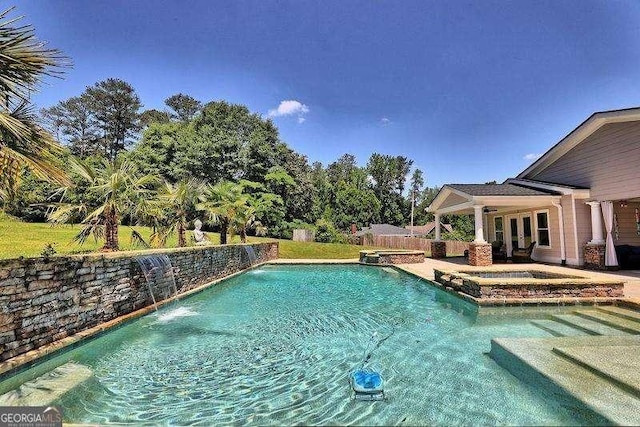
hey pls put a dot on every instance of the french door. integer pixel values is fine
(519, 231)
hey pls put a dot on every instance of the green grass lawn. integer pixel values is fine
(25, 239)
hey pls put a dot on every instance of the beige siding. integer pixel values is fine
(571, 251)
(583, 226)
(626, 219)
(607, 162)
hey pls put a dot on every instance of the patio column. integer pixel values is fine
(438, 247)
(594, 250)
(477, 214)
(597, 237)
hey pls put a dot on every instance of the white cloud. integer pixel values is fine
(290, 108)
(385, 121)
(532, 156)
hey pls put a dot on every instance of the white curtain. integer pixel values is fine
(610, 259)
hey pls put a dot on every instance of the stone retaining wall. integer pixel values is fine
(45, 300)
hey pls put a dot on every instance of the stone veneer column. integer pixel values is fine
(594, 256)
(438, 249)
(480, 254)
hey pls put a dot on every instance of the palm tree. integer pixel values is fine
(244, 220)
(176, 202)
(121, 191)
(222, 203)
(23, 142)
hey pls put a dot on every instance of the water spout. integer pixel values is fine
(158, 273)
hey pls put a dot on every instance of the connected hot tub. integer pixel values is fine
(527, 284)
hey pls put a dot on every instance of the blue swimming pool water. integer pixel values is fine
(275, 346)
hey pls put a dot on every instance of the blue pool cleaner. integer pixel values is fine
(366, 384)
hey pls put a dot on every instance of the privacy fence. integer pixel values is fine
(454, 247)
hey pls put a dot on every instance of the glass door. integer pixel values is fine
(520, 232)
(513, 233)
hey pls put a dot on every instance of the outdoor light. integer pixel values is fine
(624, 203)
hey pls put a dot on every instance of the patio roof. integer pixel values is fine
(461, 198)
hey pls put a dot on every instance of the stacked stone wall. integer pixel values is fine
(45, 300)
(594, 257)
(480, 254)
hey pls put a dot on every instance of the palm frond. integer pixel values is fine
(138, 240)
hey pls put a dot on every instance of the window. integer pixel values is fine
(498, 229)
(542, 228)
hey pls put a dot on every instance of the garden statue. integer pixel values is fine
(198, 234)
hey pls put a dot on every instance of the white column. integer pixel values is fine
(478, 214)
(438, 231)
(597, 238)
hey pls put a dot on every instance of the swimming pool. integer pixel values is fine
(275, 345)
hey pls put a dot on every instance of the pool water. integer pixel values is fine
(275, 346)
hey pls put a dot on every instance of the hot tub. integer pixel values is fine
(527, 284)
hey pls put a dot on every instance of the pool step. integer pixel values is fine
(621, 323)
(558, 329)
(591, 327)
(45, 389)
(621, 312)
(614, 363)
(599, 371)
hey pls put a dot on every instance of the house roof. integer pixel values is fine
(384, 230)
(498, 190)
(579, 134)
(428, 228)
(462, 198)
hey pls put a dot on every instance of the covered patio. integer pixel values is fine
(480, 200)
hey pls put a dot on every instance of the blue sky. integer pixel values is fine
(467, 89)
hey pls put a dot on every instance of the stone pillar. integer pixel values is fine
(477, 214)
(597, 237)
(594, 256)
(438, 231)
(480, 254)
(438, 249)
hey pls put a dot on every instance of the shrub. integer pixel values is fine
(327, 233)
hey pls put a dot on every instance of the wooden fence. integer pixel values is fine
(302, 235)
(454, 247)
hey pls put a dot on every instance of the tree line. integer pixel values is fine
(119, 164)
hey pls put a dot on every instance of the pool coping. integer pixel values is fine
(30, 358)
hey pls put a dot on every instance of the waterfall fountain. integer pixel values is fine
(251, 254)
(158, 273)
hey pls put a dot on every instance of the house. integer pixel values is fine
(392, 230)
(383, 230)
(428, 230)
(579, 202)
